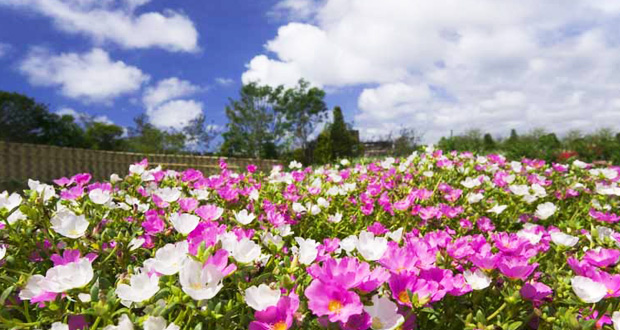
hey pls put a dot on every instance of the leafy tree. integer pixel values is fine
(407, 141)
(303, 108)
(343, 143)
(199, 134)
(146, 138)
(488, 142)
(24, 120)
(254, 126)
(102, 136)
(324, 150)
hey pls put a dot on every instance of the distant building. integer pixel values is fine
(378, 148)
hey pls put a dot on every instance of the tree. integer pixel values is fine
(199, 134)
(407, 141)
(24, 120)
(102, 136)
(488, 142)
(303, 108)
(146, 138)
(254, 126)
(343, 143)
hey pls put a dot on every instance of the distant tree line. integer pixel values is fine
(603, 144)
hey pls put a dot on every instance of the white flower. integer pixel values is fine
(99, 196)
(115, 178)
(70, 276)
(124, 323)
(531, 235)
(588, 290)
(69, 224)
(198, 281)
(9, 202)
(254, 195)
(246, 251)
(545, 210)
(313, 209)
(294, 164)
(473, 198)
(348, 244)
(184, 223)
(615, 318)
(470, 182)
(519, 189)
(336, 218)
(170, 257)
(560, 238)
(168, 194)
(136, 168)
(269, 238)
(322, 202)
(298, 208)
(580, 164)
(33, 288)
(344, 162)
(370, 247)
(307, 250)
(43, 190)
(478, 280)
(59, 326)
(136, 243)
(261, 297)
(497, 209)
(141, 287)
(159, 323)
(395, 235)
(2, 252)
(384, 314)
(243, 217)
(84, 297)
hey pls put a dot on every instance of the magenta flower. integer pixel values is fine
(535, 291)
(153, 223)
(602, 257)
(209, 212)
(188, 204)
(515, 267)
(335, 302)
(220, 260)
(346, 273)
(279, 317)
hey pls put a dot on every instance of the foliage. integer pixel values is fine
(430, 241)
(254, 126)
(146, 138)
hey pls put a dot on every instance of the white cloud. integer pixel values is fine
(168, 89)
(117, 22)
(452, 65)
(4, 49)
(165, 106)
(81, 116)
(296, 10)
(175, 114)
(224, 81)
(91, 76)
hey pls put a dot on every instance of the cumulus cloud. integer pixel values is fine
(165, 106)
(297, 10)
(168, 89)
(175, 114)
(117, 22)
(453, 65)
(83, 116)
(90, 76)
(224, 81)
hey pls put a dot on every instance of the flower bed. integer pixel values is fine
(433, 241)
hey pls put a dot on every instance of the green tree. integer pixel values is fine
(407, 141)
(147, 138)
(303, 108)
(488, 142)
(103, 136)
(199, 134)
(343, 143)
(254, 126)
(24, 120)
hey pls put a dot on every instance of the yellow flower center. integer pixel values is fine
(404, 297)
(376, 323)
(279, 326)
(335, 306)
(196, 286)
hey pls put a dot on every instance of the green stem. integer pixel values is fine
(499, 310)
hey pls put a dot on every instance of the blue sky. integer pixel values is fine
(433, 66)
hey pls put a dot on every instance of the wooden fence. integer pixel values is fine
(20, 162)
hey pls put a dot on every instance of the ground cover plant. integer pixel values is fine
(432, 241)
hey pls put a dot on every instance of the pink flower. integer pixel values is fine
(602, 257)
(335, 302)
(188, 204)
(515, 267)
(279, 317)
(535, 291)
(209, 212)
(153, 223)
